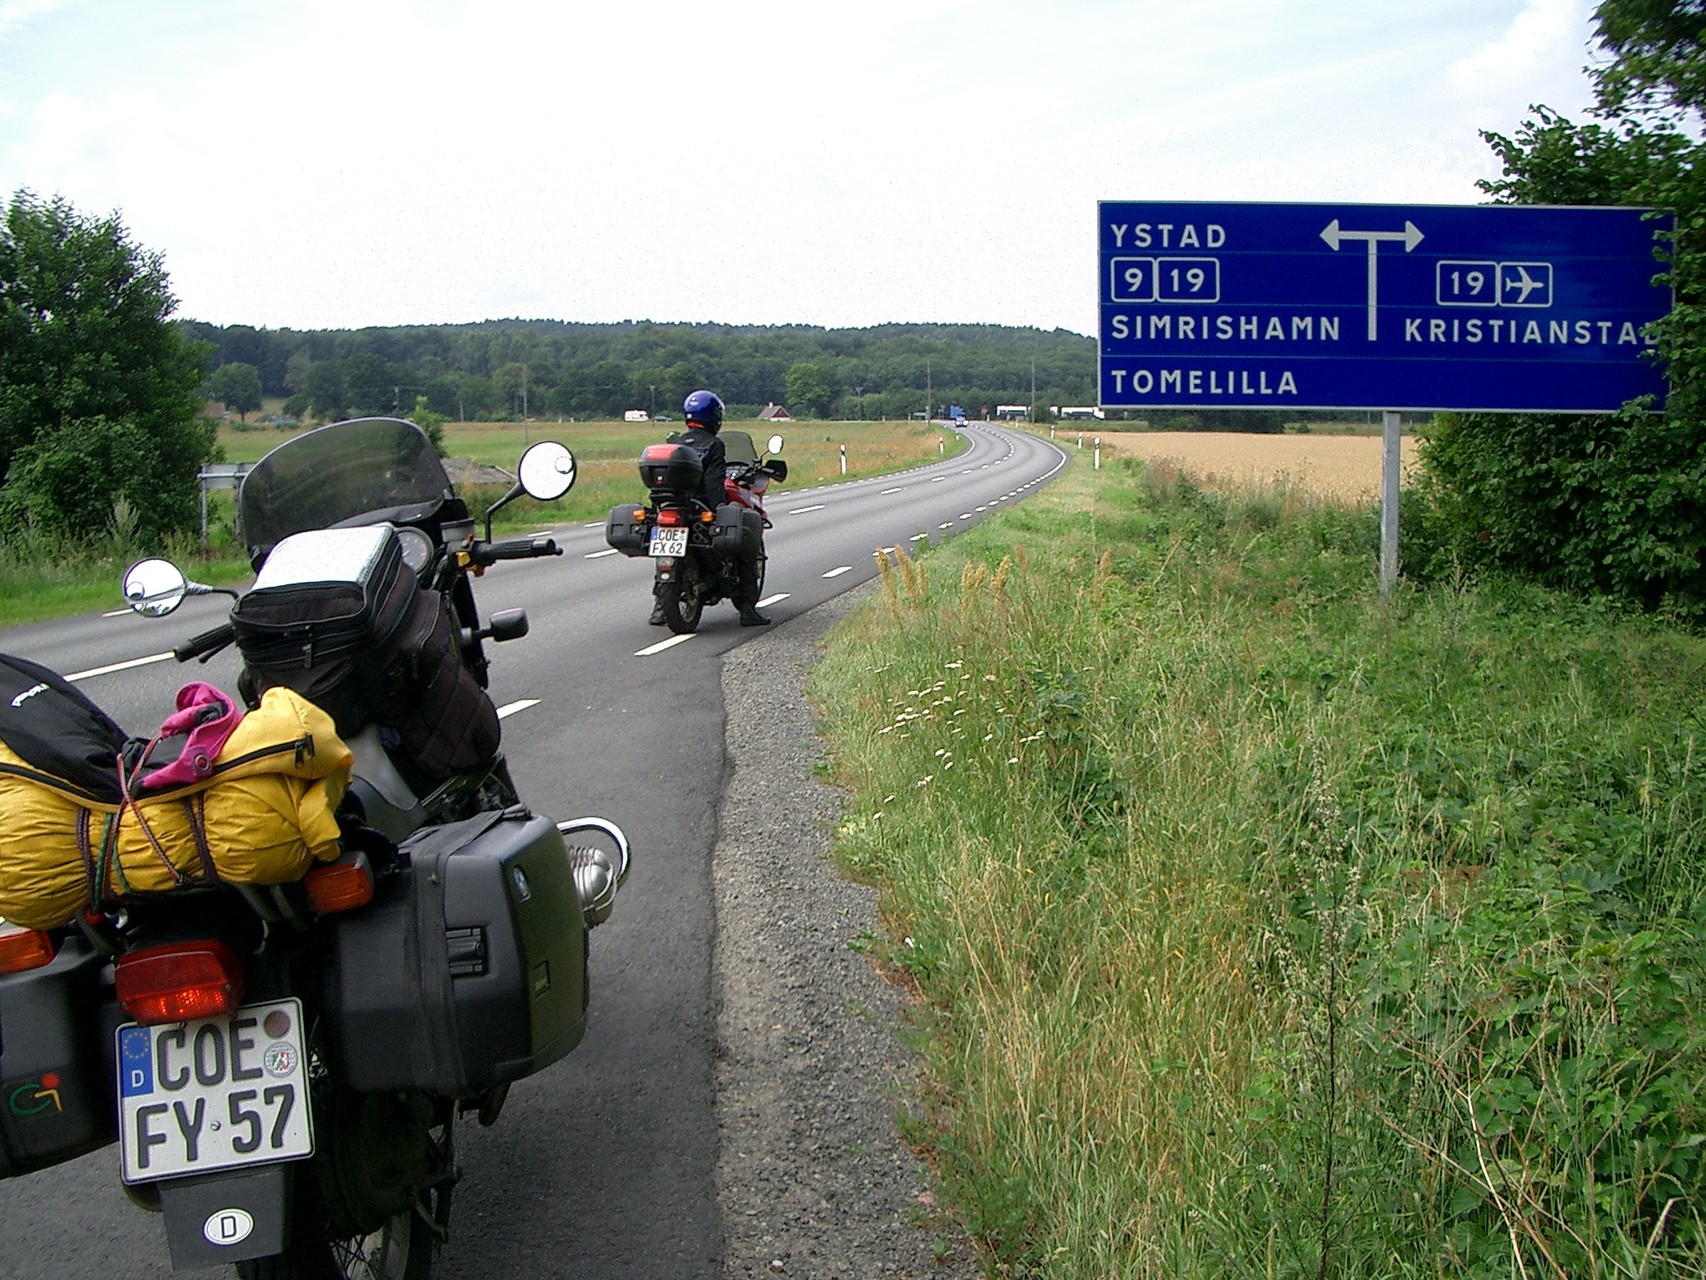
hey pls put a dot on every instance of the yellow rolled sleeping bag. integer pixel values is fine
(266, 814)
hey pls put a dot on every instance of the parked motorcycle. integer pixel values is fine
(696, 549)
(281, 1033)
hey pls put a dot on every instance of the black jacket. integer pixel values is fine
(713, 458)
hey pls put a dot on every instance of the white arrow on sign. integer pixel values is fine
(1335, 235)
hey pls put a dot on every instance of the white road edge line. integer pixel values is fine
(661, 645)
(120, 666)
(594, 555)
(521, 704)
(836, 573)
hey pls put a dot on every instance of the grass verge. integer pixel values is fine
(1263, 930)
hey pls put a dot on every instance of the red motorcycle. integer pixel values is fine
(697, 549)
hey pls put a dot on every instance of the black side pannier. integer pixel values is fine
(468, 970)
(55, 1072)
(623, 532)
(339, 617)
(738, 531)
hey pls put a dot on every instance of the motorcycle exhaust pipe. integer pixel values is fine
(598, 872)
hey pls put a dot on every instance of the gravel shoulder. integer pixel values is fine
(813, 1179)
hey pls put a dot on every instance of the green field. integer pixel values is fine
(41, 580)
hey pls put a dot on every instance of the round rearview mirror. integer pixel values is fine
(775, 445)
(154, 588)
(547, 471)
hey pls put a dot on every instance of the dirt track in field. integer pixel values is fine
(1337, 468)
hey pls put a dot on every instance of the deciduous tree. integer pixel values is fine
(237, 386)
(1614, 505)
(89, 363)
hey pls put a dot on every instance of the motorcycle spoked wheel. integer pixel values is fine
(682, 600)
(376, 1137)
(402, 1249)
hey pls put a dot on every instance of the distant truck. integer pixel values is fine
(956, 414)
(1081, 411)
(636, 415)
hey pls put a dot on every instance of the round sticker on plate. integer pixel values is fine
(227, 1226)
(277, 1024)
(280, 1059)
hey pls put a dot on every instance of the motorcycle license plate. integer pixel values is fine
(669, 542)
(216, 1093)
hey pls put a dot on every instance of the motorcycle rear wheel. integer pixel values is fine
(681, 600)
(402, 1249)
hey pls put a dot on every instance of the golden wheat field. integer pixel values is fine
(1335, 468)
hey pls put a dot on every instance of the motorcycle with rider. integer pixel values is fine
(703, 525)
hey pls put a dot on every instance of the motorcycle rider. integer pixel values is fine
(703, 413)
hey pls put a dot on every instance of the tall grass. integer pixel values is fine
(1263, 930)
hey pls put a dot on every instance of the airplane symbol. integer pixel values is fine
(1515, 277)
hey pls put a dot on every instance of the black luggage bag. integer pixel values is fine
(468, 970)
(338, 616)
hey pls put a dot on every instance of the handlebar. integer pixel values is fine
(488, 553)
(205, 645)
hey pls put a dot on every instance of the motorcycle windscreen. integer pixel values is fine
(378, 468)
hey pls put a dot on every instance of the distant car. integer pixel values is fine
(662, 417)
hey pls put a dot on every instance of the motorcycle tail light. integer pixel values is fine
(22, 948)
(337, 886)
(178, 981)
(669, 517)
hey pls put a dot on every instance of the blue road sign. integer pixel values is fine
(1358, 306)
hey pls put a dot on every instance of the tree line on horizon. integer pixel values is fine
(495, 370)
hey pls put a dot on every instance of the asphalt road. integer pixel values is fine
(600, 1167)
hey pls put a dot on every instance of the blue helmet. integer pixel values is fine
(704, 408)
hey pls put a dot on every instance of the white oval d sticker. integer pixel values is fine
(228, 1226)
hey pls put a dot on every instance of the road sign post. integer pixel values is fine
(1500, 308)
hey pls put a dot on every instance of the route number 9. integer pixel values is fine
(1131, 280)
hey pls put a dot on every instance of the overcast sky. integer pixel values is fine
(344, 163)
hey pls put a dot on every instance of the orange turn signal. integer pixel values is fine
(22, 948)
(707, 516)
(343, 885)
